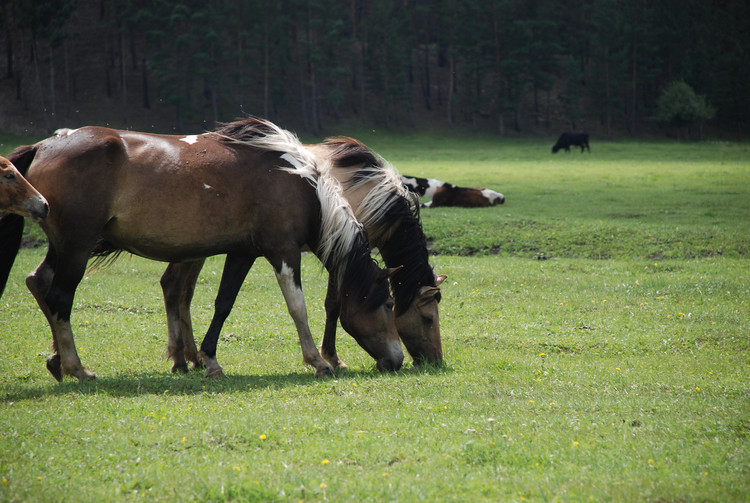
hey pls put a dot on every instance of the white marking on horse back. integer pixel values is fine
(65, 131)
(207, 186)
(292, 160)
(190, 139)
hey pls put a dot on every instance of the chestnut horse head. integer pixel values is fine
(18, 196)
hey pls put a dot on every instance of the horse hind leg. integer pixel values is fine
(178, 286)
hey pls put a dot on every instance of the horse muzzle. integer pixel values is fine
(393, 361)
(38, 208)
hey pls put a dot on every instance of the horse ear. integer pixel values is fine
(427, 294)
(439, 279)
(393, 270)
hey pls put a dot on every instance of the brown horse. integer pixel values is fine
(19, 197)
(391, 218)
(247, 190)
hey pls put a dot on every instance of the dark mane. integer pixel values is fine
(348, 152)
(406, 245)
(359, 275)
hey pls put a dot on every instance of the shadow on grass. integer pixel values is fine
(194, 383)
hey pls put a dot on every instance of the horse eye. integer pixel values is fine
(10, 176)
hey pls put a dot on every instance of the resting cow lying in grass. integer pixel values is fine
(447, 194)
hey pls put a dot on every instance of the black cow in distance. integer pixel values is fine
(578, 139)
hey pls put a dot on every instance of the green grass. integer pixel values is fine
(614, 370)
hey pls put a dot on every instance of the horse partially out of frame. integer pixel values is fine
(247, 190)
(19, 197)
(391, 217)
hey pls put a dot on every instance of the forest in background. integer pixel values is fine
(506, 67)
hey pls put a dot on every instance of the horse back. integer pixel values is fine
(170, 197)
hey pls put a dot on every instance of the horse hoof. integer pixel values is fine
(342, 366)
(85, 375)
(215, 372)
(182, 367)
(54, 367)
(325, 372)
(335, 362)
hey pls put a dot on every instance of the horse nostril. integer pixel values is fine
(390, 364)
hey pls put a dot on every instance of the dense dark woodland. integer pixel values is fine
(502, 66)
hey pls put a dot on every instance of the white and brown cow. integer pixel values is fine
(447, 194)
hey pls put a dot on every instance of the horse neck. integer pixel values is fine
(402, 242)
(390, 216)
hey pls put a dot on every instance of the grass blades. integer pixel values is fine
(578, 367)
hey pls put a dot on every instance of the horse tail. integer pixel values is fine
(11, 225)
(104, 255)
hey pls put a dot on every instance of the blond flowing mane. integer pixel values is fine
(339, 228)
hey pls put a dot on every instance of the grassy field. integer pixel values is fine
(595, 329)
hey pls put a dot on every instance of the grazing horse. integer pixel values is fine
(391, 219)
(579, 139)
(19, 197)
(447, 194)
(247, 190)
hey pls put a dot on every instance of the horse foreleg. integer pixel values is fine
(54, 294)
(288, 277)
(328, 346)
(178, 285)
(235, 271)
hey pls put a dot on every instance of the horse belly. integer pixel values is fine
(196, 225)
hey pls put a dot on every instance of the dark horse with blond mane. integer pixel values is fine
(246, 190)
(19, 197)
(391, 217)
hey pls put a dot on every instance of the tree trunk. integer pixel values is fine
(451, 86)
(634, 76)
(144, 84)
(607, 97)
(425, 74)
(52, 95)
(266, 63)
(8, 54)
(123, 79)
(39, 86)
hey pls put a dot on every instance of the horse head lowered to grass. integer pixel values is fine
(247, 190)
(391, 216)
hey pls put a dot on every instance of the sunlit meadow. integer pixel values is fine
(595, 330)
